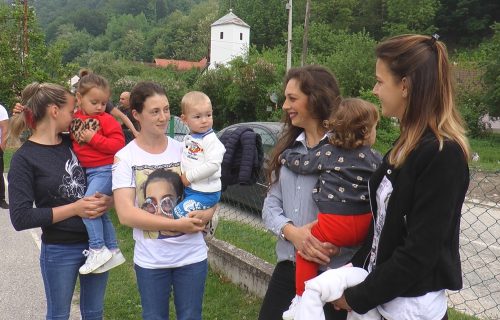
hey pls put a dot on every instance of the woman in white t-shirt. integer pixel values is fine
(168, 253)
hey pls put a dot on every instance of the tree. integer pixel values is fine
(266, 18)
(491, 77)
(467, 22)
(408, 16)
(19, 68)
(186, 37)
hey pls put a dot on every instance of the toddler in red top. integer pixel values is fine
(97, 136)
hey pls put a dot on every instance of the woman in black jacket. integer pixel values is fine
(412, 252)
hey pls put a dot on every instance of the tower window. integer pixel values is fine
(222, 35)
(241, 36)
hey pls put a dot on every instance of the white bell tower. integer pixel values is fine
(229, 38)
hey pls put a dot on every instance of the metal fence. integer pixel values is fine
(479, 239)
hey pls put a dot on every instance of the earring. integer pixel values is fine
(404, 94)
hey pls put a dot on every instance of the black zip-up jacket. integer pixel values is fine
(418, 250)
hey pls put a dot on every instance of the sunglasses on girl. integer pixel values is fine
(167, 205)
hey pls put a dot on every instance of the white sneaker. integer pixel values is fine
(116, 260)
(95, 259)
(292, 310)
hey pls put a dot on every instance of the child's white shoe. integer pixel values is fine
(95, 259)
(292, 310)
(116, 260)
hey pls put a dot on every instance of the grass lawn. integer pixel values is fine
(223, 300)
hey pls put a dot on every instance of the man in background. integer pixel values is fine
(4, 133)
(125, 109)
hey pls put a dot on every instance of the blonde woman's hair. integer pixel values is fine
(423, 62)
(351, 125)
(36, 98)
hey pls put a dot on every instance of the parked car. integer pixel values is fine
(179, 130)
(252, 196)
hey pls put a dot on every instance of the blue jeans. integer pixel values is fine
(101, 231)
(59, 264)
(155, 286)
(195, 200)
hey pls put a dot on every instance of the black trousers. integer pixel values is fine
(281, 291)
(2, 182)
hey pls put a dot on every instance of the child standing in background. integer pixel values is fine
(201, 156)
(345, 165)
(97, 136)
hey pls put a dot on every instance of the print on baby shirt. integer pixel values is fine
(73, 182)
(194, 148)
(147, 192)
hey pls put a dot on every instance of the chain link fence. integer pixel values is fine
(241, 208)
(479, 238)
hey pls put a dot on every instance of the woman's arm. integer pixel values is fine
(22, 196)
(301, 238)
(204, 215)
(308, 246)
(115, 112)
(134, 217)
(88, 207)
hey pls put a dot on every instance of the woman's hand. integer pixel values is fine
(189, 225)
(341, 304)
(94, 206)
(17, 109)
(204, 215)
(311, 248)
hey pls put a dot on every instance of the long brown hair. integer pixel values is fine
(423, 62)
(323, 95)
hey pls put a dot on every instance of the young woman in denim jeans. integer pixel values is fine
(45, 172)
(169, 254)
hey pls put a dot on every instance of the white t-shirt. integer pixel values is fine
(3, 116)
(154, 249)
(430, 306)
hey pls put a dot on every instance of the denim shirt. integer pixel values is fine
(290, 200)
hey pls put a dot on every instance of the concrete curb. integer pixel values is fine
(241, 267)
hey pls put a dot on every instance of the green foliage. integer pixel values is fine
(408, 16)
(185, 37)
(491, 77)
(350, 56)
(240, 91)
(267, 19)
(472, 110)
(40, 63)
(466, 22)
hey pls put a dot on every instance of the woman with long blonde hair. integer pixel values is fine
(412, 252)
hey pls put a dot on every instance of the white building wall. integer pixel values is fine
(224, 50)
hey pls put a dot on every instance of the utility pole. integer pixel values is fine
(306, 34)
(289, 42)
(25, 36)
